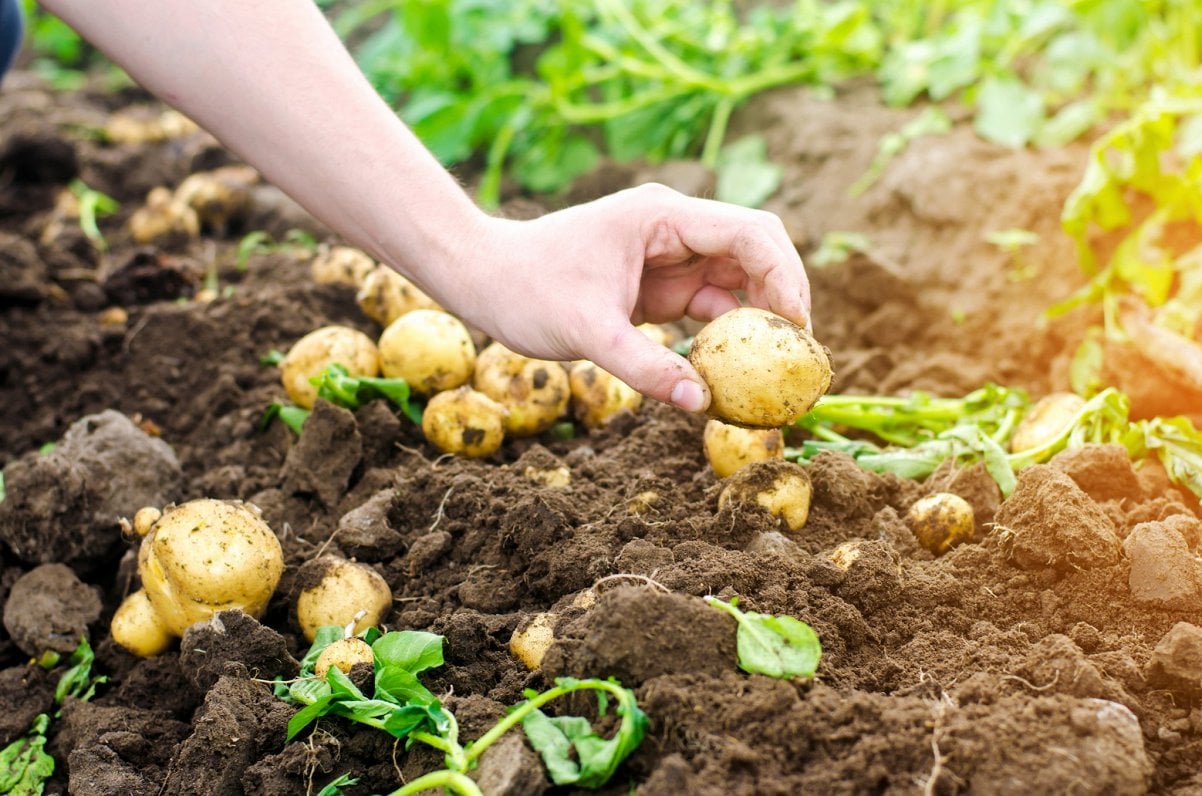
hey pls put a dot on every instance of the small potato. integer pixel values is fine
(464, 422)
(321, 348)
(343, 654)
(729, 448)
(164, 220)
(206, 556)
(763, 371)
(535, 392)
(343, 593)
(137, 627)
(656, 333)
(220, 197)
(782, 488)
(132, 127)
(430, 349)
(384, 295)
(341, 265)
(1045, 421)
(597, 395)
(529, 644)
(941, 521)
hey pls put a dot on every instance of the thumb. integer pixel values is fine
(650, 368)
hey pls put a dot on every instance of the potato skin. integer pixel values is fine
(384, 295)
(763, 371)
(343, 654)
(941, 521)
(347, 592)
(781, 488)
(464, 422)
(164, 219)
(598, 395)
(341, 265)
(535, 392)
(730, 448)
(311, 354)
(1045, 420)
(207, 556)
(430, 349)
(529, 644)
(136, 627)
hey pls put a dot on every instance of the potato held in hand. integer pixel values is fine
(197, 559)
(763, 371)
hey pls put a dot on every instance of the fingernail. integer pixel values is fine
(688, 395)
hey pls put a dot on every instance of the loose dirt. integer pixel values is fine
(1054, 653)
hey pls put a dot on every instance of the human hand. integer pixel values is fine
(573, 284)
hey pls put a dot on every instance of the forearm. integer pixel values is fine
(271, 80)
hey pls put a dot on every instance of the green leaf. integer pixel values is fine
(745, 175)
(412, 650)
(24, 763)
(1008, 112)
(334, 787)
(308, 714)
(776, 646)
(77, 681)
(292, 416)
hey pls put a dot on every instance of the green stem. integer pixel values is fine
(451, 780)
(717, 132)
(682, 71)
(489, 192)
(477, 747)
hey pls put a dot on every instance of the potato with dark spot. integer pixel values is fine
(384, 295)
(941, 521)
(534, 392)
(763, 371)
(464, 422)
(341, 265)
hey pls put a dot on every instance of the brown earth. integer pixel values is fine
(1054, 653)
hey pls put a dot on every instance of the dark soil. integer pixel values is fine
(1056, 652)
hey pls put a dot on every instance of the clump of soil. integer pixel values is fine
(1056, 650)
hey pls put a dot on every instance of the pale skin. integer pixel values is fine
(271, 80)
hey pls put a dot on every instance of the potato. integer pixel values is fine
(430, 349)
(763, 371)
(137, 627)
(780, 487)
(137, 128)
(314, 352)
(206, 556)
(343, 654)
(529, 643)
(384, 295)
(656, 333)
(220, 197)
(341, 265)
(941, 521)
(535, 392)
(597, 395)
(164, 220)
(729, 448)
(1045, 421)
(345, 594)
(464, 422)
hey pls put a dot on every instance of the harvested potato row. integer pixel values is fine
(319, 349)
(730, 448)
(763, 371)
(535, 392)
(195, 560)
